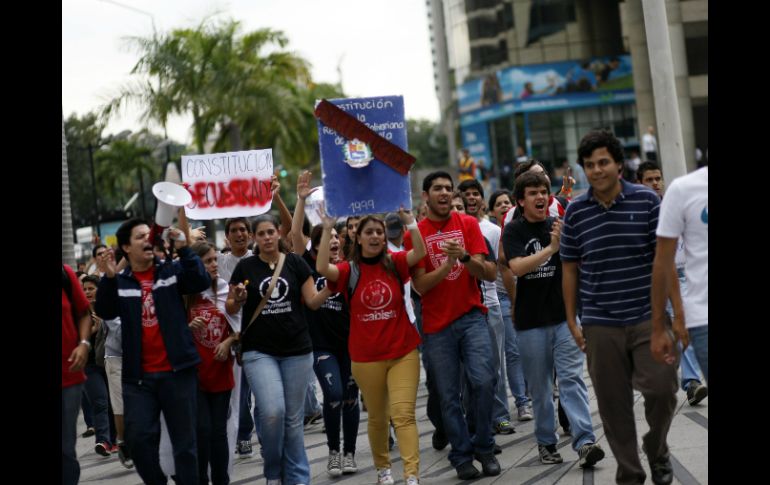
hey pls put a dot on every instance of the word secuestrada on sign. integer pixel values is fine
(237, 192)
(351, 128)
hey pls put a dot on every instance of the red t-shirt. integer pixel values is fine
(213, 375)
(379, 325)
(458, 292)
(69, 332)
(154, 357)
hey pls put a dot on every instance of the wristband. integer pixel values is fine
(465, 258)
(84, 341)
(411, 226)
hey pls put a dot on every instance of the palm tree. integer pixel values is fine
(118, 166)
(67, 235)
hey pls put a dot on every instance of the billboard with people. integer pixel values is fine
(542, 87)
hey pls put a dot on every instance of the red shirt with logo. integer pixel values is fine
(379, 325)
(69, 332)
(154, 357)
(213, 375)
(458, 293)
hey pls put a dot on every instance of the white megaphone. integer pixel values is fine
(170, 197)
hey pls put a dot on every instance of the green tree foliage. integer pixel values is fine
(427, 143)
(244, 91)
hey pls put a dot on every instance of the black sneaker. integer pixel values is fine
(466, 471)
(89, 432)
(124, 456)
(312, 419)
(504, 427)
(439, 440)
(662, 471)
(498, 449)
(696, 392)
(489, 464)
(549, 455)
(590, 454)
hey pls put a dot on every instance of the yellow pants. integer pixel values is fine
(390, 392)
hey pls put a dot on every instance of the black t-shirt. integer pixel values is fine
(539, 300)
(330, 324)
(281, 328)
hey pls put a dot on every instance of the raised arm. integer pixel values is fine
(322, 265)
(303, 191)
(275, 188)
(418, 250)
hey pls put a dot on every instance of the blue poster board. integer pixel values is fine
(370, 189)
(476, 140)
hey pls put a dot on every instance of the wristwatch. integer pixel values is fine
(465, 258)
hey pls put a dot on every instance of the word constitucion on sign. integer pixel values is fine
(232, 184)
(355, 181)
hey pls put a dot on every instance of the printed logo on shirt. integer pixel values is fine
(149, 319)
(545, 270)
(704, 216)
(375, 296)
(211, 335)
(277, 303)
(435, 242)
(331, 303)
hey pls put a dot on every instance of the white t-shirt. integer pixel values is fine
(492, 233)
(684, 213)
(649, 143)
(226, 263)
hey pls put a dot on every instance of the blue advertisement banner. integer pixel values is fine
(476, 140)
(543, 87)
(354, 182)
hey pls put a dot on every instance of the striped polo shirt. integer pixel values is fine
(614, 247)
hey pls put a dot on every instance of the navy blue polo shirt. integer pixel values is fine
(615, 248)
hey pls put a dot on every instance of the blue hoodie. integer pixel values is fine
(121, 296)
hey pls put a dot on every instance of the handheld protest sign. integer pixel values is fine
(364, 163)
(232, 184)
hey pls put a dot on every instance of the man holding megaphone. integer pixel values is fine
(159, 355)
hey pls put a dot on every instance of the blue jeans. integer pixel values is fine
(247, 423)
(512, 360)
(689, 367)
(340, 395)
(544, 349)
(465, 342)
(282, 384)
(174, 393)
(98, 396)
(500, 409)
(312, 406)
(213, 408)
(85, 404)
(70, 405)
(699, 339)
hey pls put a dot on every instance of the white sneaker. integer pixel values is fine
(412, 480)
(384, 477)
(525, 413)
(333, 467)
(349, 464)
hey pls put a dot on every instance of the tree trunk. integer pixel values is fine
(67, 234)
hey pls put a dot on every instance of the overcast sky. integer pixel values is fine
(383, 45)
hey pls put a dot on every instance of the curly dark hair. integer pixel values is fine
(529, 179)
(600, 139)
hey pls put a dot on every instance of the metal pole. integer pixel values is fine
(93, 190)
(664, 89)
(141, 193)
